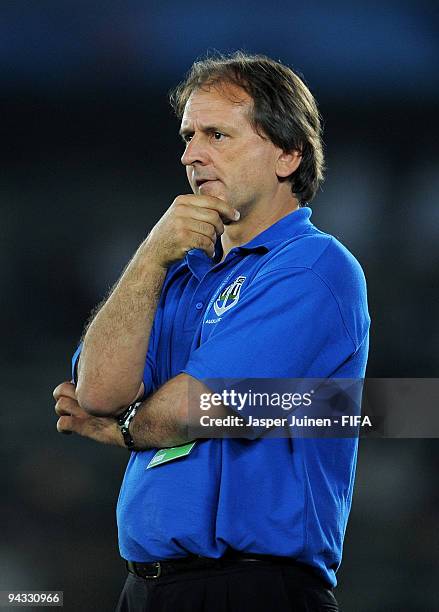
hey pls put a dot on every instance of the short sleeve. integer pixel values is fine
(75, 361)
(286, 323)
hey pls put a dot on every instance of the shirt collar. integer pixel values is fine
(293, 224)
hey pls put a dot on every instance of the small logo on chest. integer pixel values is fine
(228, 297)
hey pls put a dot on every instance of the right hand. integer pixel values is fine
(191, 222)
(73, 419)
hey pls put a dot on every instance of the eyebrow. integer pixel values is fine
(207, 129)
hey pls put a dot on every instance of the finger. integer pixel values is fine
(71, 424)
(64, 425)
(66, 388)
(66, 405)
(198, 220)
(103, 430)
(225, 211)
(200, 227)
(199, 241)
(208, 216)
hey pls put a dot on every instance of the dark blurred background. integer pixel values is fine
(90, 160)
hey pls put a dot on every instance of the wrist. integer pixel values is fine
(154, 257)
(124, 422)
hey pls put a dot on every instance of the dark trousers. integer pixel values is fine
(250, 586)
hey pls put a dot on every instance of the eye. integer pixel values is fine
(187, 138)
(218, 135)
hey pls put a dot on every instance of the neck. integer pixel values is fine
(252, 223)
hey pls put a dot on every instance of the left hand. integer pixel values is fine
(73, 419)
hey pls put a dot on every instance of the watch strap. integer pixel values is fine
(124, 421)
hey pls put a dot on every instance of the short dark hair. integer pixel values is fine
(283, 108)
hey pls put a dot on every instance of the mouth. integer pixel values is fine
(200, 182)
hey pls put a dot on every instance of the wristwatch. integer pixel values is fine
(124, 421)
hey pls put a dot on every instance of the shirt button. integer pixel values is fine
(199, 305)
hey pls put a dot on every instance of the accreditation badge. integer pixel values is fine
(164, 455)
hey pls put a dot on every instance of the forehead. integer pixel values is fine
(223, 103)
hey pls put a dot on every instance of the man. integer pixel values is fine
(233, 282)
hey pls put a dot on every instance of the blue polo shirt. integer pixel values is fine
(290, 303)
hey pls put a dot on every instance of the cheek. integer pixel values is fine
(259, 168)
(261, 157)
(249, 168)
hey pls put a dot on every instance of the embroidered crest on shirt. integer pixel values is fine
(229, 296)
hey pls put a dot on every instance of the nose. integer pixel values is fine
(195, 152)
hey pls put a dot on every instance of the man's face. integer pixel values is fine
(224, 156)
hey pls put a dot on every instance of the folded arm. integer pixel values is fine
(164, 419)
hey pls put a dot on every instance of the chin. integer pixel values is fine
(212, 190)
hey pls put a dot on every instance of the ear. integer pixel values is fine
(287, 163)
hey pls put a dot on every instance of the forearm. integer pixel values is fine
(171, 416)
(162, 419)
(159, 423)
(115, 345)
